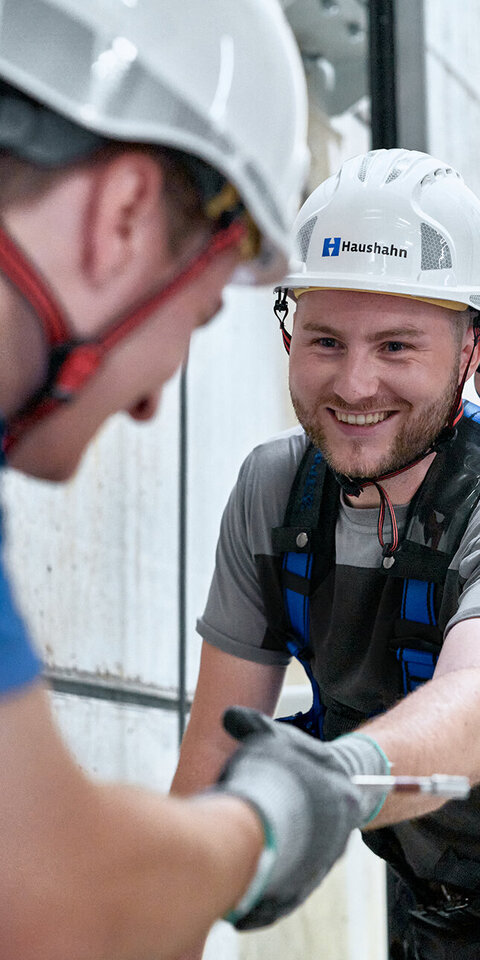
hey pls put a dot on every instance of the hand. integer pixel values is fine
(303, 792)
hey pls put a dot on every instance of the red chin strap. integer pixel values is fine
(72, 363)
(353, 487)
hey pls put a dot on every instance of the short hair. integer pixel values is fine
(23, 181)
(462, 321)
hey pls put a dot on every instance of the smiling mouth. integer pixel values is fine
(362, 419)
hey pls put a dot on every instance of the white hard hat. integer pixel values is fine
(221, 80)
(395, 222)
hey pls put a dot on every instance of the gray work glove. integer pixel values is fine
(302, 790)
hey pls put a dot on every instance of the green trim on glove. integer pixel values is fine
(388, 770)
(259, 884)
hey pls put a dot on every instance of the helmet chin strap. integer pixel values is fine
(72, 362)
(353, 486)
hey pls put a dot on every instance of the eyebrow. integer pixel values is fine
(392, 333)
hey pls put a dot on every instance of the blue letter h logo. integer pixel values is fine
(331, 247)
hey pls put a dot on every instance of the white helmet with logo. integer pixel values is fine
(391, 221)
(221, 80)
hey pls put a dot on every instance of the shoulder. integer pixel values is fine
(262, 491)
(276, 461)
(467, 557)
(471, 412)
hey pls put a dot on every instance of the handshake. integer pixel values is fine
(302, 791)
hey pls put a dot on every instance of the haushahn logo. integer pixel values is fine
(333, 246)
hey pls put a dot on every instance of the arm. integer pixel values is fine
(435, 729)
(234, 620)
(104, 872)
(223, 680)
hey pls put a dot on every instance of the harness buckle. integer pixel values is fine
(417, 666)
(454, 901)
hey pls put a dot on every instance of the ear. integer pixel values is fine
(476, 355)
(126, 216)
(475, 365)
(471, 352)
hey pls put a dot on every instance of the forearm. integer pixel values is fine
(433, 730)
(223, 680)
(202, 757)
(147, 880)
(181, 865)
(105, 872)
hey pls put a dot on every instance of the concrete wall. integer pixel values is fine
(453, 85)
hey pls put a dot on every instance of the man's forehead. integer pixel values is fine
(378, 308)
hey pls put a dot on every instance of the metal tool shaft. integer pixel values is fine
(439, 784)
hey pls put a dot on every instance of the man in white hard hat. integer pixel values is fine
(352, 542)
(136, 180)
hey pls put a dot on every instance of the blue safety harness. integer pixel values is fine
(422, 566)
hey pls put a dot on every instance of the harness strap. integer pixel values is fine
(417, 602)
(418, 666)
(296, 542)
(297, 602)
(418, 606)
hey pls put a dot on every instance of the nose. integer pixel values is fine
(146, 408)
(356, 377)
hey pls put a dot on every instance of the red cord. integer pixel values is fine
(83, 359)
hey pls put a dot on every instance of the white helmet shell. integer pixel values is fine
(221, 80)
(391, 221)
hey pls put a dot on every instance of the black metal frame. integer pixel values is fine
(397, 74)
(381, 68)
(182, 555)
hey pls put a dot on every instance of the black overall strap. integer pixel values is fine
(437, 521)
(298, 541)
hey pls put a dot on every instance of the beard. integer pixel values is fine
(413, 439)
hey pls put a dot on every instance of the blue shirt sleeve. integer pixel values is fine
(19, 663)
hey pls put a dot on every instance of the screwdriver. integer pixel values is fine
(439, 784)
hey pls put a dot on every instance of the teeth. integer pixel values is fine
(361, 419)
